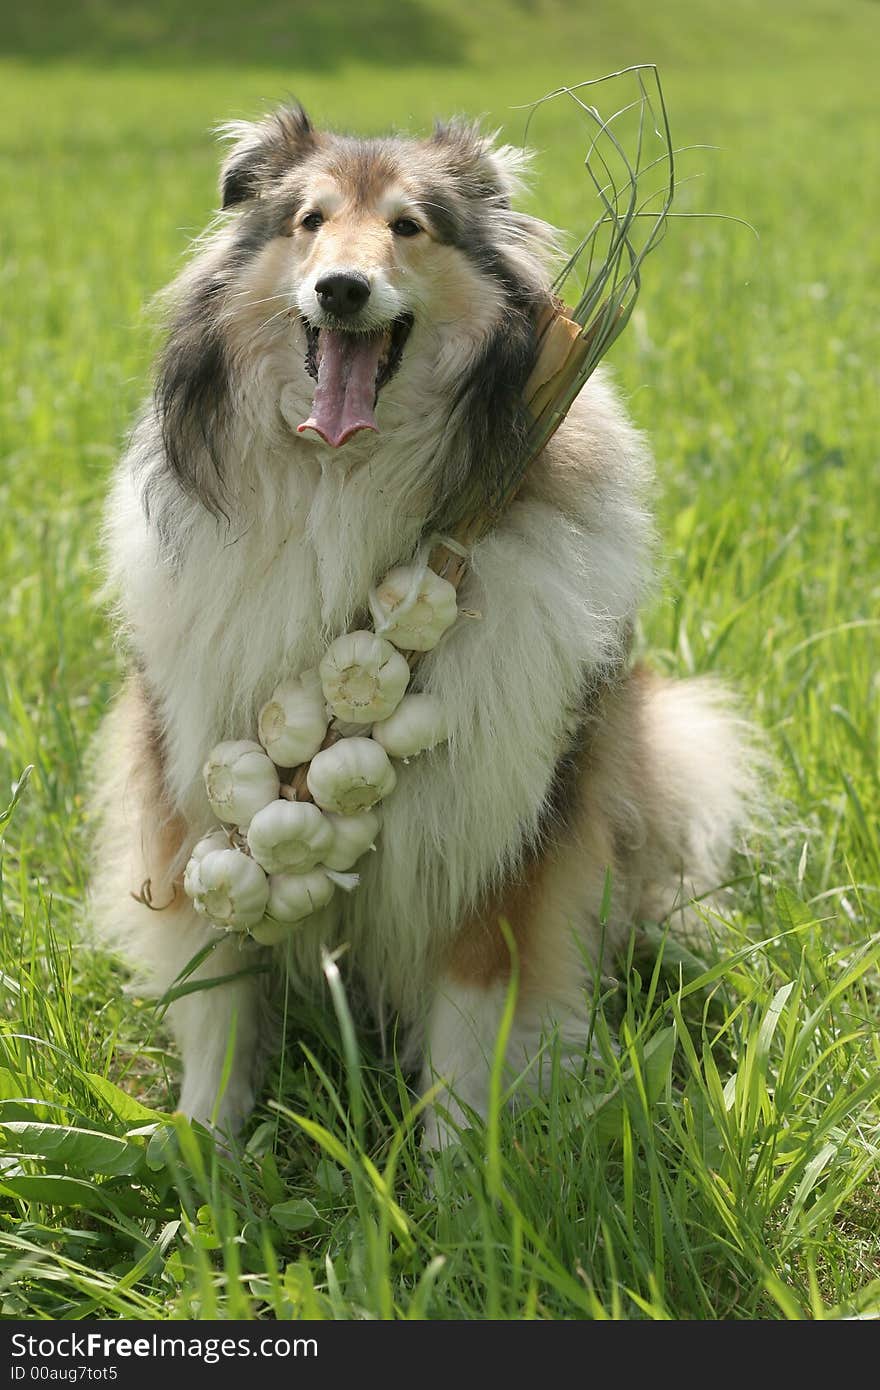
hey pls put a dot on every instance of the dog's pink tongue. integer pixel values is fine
(346, 387)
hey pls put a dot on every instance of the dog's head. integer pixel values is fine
(365, 259)
(378, 235)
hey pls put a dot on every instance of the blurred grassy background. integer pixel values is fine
(752, 363)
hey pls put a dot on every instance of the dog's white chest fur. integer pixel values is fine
(219, 622)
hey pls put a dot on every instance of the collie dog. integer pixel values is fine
(342, 377)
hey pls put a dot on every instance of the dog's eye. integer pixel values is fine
(312, 221)
(405, 226)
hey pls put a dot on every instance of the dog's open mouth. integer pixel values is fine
(350, 370)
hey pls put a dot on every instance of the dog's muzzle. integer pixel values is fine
(350, 369)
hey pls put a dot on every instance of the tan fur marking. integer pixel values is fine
(350, 240)
(162, 832)
(364, 175)
(480, 955)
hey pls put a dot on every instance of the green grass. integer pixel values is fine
(723, 1163)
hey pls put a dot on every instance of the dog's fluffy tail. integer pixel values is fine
(704, 770)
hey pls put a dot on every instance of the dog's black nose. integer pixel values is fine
(343, 292)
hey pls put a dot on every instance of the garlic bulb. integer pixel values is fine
(233, 891)
(268, 933)
(289, 837)
(218, 839)
(352, 837)
(363, 677)
(294, 896)
(240, 780)
(414, 621)
(418, 723)
(350, 776)
(293, 721)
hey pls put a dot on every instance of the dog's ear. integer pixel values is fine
(263, 151)
(480, 165)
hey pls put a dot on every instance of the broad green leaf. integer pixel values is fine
(124, 1106)
(273, 1187)
(296, 1215)
(87, 1150)
(58, 1190)
(658, 1063)
(161, 1147)
(703, 1126)
(21, 1097)
(607, 1110)
(328, 1177)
